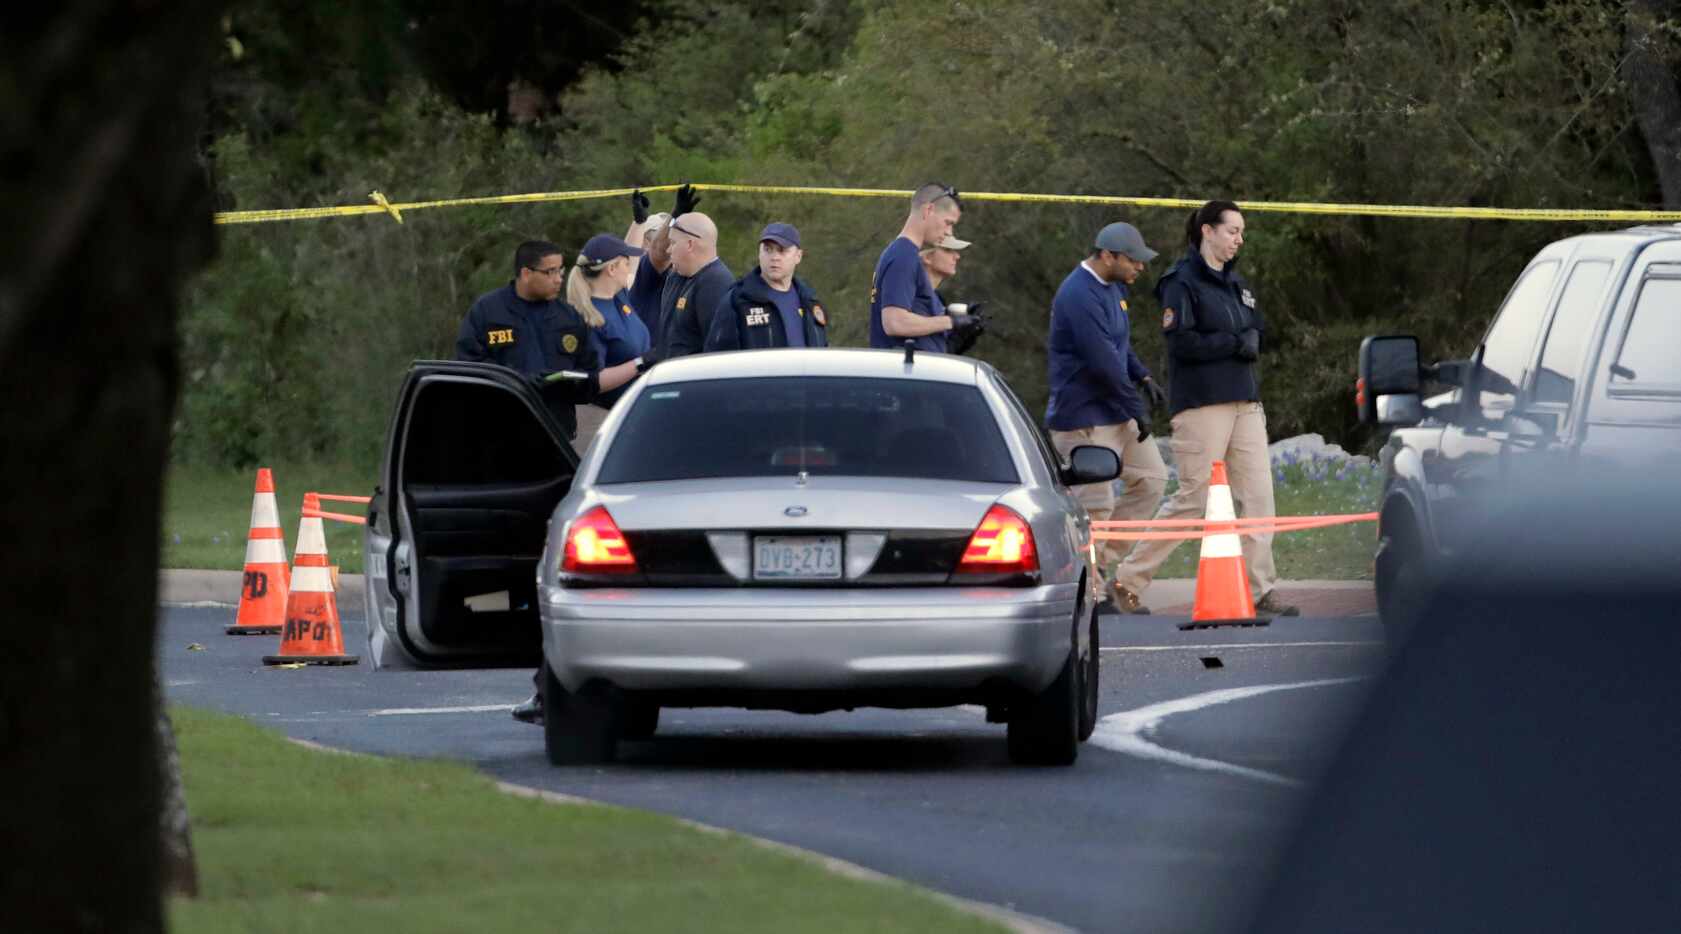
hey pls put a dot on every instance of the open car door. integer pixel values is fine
(474, 465)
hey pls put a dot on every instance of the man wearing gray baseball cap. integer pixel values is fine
(1099, 386)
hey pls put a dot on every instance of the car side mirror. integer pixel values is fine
(1090, 463)
(1390, 379)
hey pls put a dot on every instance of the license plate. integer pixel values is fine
(806, 557)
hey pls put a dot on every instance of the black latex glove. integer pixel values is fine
(1249, 345)
(1143, 427)
(964, 330)
(1157, 395)
(686, 201)
(648, 358)
(639, 206)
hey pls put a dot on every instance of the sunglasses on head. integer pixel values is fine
(682, 230)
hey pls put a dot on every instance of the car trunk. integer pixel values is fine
(818, 531)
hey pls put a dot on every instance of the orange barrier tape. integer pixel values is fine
(1247, 520)
(344, 499)
(1261, 525)
(341, 517)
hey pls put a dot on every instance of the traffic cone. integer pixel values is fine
(262, 596)
(312, 634)
(1222, 580)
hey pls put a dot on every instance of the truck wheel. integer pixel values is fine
(1046, 729)
(582, 728)
(641, 719)
(1403, 581)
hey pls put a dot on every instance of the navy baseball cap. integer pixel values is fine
(784, 234)
(604, 247)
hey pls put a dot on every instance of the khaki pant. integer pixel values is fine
(1143, 478)
(1235, 432)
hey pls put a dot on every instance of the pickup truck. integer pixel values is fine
(1578, 378)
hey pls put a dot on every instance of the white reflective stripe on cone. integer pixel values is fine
(264, 514)
(1220, 508)
(311, 580)
(1222, 546)
(265, 551)
(312, 540)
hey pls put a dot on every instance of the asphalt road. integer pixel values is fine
(1169, 821)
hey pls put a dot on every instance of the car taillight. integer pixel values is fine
(1002, 543)
(594, 545)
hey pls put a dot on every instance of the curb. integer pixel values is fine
(182, 587)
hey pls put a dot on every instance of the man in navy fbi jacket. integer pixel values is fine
(1098, 385)
(525, 327)
(770, 306)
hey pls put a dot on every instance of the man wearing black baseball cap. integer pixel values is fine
(770, 307)
(1098, 383)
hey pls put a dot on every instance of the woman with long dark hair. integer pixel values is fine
(1214, 330)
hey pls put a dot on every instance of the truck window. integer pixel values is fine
(1567, 337)
(1649, 345)
(1508, 348)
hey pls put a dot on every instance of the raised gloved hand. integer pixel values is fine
(1143, 427)
(686, 200)
(639, 206)
(1249, 344)
(1157, 395)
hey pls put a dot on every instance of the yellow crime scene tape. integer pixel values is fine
(382, 205)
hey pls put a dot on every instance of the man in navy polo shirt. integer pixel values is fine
(1095, 380)
(903, 305)
(694, 285)
(770, 307)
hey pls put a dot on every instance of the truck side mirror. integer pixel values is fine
(1390, 380)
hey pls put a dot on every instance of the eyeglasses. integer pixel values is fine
(548, 270)
(683, 230)
(946, 191)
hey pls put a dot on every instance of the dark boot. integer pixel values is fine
(529, 712)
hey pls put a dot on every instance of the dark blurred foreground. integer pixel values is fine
(1518, 767)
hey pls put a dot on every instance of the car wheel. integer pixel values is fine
(1088, 685)
(578, 729)
(641, 720)
(1046, 729)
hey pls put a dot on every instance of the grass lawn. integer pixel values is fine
(208, 512)
(296, 840)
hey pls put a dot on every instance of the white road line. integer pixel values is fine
(1228, 645)
(1127, 731)
(407, 711)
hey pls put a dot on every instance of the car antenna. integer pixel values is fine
(910, 351)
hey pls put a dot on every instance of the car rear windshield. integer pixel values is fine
(835, 426)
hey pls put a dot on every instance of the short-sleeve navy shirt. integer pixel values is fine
(901, 281)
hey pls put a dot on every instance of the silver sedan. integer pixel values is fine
(813, 530)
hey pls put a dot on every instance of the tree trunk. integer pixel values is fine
(179, 869)
(107, 212)
(1653, 91)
